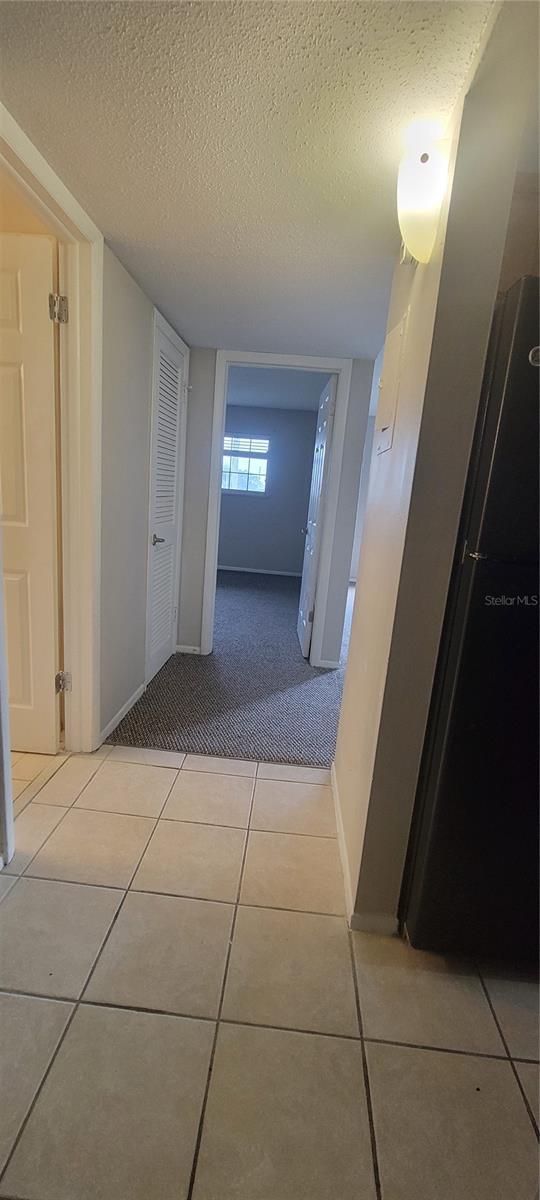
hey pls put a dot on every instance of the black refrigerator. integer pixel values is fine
(471, 879)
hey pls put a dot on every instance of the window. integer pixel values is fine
(244, 464)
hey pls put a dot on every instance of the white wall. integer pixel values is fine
(362, 498)
(127, 391)
(416, 488)
(264, 532)
(202, 371)
(366, 467)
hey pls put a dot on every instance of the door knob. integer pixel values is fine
(155, 539)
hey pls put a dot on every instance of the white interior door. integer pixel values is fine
(308, 588)
(167, 457)
(28, 501)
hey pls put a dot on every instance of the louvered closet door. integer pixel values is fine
(166, 487)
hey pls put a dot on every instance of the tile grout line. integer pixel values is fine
(71, 808)
(234, 774)
(301, 766)
(44, 843)
(507, 1049)
(378, 1041)
(140, 762)
(71, 1018)
(189, 1016)
(321, 837)
(58, 824)
(310, 912)
(200, 1129)
(116, 915)
(113, 813)
(367, 1086)
(229, 774)
(42, 785)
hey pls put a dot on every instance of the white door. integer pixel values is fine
(168, 446)
(28, 499)
(315, 514)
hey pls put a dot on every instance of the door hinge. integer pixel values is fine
(58, 308)
(62, 682)
(311, 615)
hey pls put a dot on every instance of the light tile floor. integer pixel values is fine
(184, 1014)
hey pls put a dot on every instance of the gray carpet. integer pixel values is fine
(254, 696)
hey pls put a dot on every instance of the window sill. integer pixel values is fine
(245, 495)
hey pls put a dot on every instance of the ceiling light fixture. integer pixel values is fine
(421, 187)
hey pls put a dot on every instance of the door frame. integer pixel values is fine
(162, 326)
(81, 279)
(311, 569)
(342, 368)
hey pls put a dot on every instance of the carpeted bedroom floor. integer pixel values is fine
(254, 696)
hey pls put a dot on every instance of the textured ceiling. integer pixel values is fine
(241, 158)
(275, 387)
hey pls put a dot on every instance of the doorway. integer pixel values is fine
(324, 584)
(30, 513)
(277, 426)
(30, 489)
(50, 477)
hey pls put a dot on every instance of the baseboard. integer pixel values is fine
(122, 712)
(326, 663)
(188, 650)
(382, 923)
(349, 898)
(260, 571)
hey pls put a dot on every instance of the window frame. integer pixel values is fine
(248, 452)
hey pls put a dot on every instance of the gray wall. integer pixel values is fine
(263, 532)
(202, 370)
(127, 392)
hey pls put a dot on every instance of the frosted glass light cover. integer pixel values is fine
(420, 191)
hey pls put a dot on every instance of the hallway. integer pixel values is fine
(255, 694)
(186, 1015)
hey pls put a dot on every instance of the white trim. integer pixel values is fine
(42, 183)
(161, 326)
(122, 712)
(342, 368)
(7, 823)
(327, 663)
(81, 276)
(349, 898)
(337, 446)
(188, 650)
(260, 571)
